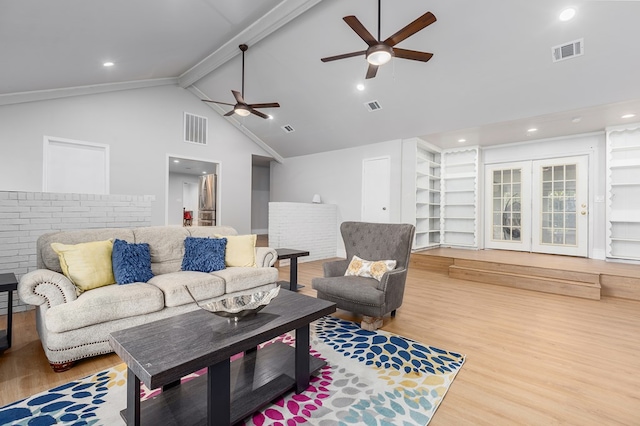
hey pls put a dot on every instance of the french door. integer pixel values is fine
(538, 206)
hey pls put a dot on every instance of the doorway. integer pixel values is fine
(538, 206)
(183, 181)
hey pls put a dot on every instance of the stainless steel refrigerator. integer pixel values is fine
(207, 201)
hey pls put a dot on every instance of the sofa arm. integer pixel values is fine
(266, 256)
(45, 286)
(335, 268)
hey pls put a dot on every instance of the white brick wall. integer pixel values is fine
(304, 226)
(24, 216)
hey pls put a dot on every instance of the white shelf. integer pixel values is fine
(623, 192)
(421, 191)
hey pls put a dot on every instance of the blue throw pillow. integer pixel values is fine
(131, 262)
(204, 254)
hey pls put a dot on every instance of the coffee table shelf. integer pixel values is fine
(256, 379)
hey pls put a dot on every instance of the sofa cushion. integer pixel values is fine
(131, 262)
(204, 254)
(241, 250)
(203, 286)
(166, 244)
(210, 231)
(105, 304)
(243, 278)
(48, 259)
(87, 265)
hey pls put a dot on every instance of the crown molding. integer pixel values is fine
(248, 133)
(280, 15)
(44, 95)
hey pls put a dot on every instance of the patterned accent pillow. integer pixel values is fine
(204, 254)
(131, 262)
(87, 265)
(368, 268)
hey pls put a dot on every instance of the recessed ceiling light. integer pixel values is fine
(531, 130)
(567, 14)
(270, 117)
(176, 161)
(204, 173)
(108, 64)
(462, 140)
(628, 116)
(576, 119)
(360, 87)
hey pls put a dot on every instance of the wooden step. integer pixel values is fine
(587, 290)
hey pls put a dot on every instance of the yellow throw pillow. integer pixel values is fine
(87, 265)
(369, 269)
(241, 250)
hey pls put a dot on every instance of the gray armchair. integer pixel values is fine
(368, 296)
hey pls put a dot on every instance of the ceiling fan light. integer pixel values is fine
(379, 54)
(241, 110)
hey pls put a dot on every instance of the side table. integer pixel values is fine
(8, 283)
(293, 254)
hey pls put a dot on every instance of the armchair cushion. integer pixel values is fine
(369, 269)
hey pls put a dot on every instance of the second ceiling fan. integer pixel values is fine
(380, 52)
(242, 108)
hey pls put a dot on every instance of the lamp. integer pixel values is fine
(241, 110)
(316, 199)
(379, 54)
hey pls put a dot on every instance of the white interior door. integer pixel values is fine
(376, 189)
(560, 206)
(538, 206)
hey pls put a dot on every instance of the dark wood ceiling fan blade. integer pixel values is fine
(417, 25)
(371, 71)
(357, 26)
(412, 54)
(216, 102)
(267, 105)
(343, 56)
(229, 113)
(238, 97)
(258, 113)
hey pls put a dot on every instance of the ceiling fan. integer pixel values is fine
(242, 108)
(380, 52)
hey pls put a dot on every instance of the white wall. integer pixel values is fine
(260, 195)
(593, 145)
(337, 177)
(141, 127)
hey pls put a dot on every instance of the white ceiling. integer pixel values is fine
(491, 77)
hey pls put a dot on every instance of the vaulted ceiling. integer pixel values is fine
(490, 80)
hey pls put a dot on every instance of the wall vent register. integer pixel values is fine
(372, 105)
(195, 128)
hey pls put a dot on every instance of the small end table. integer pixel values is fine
(8, 283)
(293, 254)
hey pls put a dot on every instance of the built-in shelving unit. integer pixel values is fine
(623, 192)
(421, 191)
(459, 186)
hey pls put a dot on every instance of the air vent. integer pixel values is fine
(288, 129)
(568, 50)
(372, 105)
(195, 129)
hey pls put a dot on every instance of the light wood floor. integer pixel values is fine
(532, 358)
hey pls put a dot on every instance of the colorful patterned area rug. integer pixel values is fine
(372, 378)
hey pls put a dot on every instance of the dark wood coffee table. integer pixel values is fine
(162, 352)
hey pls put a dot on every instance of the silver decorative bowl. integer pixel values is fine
(238, 307)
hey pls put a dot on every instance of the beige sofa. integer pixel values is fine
(72, 327)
